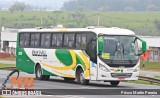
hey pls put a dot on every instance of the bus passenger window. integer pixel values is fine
(59, 40)
(24, 40)
(83, 42)
(65, 42)
(54, 40)
(35, 38)
(78, 41)
(45, 40)
(71, 40)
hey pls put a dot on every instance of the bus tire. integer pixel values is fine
(68, 79)
(38, 73)
(114, 83)
(80, 77)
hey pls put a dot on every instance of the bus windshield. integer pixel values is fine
(119, 48)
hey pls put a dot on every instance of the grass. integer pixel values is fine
(9, 59)
(140, 22)
(7, 65)
(158, 77)
(151, 66)
(143, 82)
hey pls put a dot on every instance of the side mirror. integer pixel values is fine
(100, 45)
(143, 47)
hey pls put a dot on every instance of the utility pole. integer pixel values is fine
(98, 20)
(41, 22)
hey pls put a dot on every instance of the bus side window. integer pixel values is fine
(27, 38)
(84, 41)
(24, 40)
(71, 41)
(81, 41)
(35, 40)
(45, 40)
(65, 42)
(78, 41)
(54, 40)
(59, 40)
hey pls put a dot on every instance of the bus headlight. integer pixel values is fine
(102, 67)
(137, 69)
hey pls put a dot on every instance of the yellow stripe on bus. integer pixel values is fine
(63, 30)
(65, 75)
(87, 72)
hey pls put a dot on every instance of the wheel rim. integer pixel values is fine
(39, 72)
(81, 77)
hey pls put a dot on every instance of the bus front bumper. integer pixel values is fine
(118, 76)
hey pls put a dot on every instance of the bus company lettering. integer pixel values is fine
(39, 53)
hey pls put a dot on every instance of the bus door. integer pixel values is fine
(93, 59)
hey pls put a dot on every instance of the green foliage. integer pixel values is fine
(17, 6)
(157, 22)
(7, 65)
(157, 77)
(143, 23)
(151, 66)
(143, 82)
(112, 5)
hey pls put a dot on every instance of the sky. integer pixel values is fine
(53, 4)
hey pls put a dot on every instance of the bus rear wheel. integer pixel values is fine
(114, 83)
(80, 77)
(38, 73)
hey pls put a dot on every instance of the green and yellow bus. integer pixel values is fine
(98, 54)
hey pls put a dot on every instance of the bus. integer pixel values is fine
(85, 54)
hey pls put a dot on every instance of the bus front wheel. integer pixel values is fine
(80, 77)
(114, 83)
(38, 73)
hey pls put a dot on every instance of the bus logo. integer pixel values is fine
(17, 82)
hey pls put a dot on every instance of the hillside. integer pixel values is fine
(144, 23)
(111, 5)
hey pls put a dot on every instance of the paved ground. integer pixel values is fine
(150, 74)
(59, 83)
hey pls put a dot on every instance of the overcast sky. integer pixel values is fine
(54, 4)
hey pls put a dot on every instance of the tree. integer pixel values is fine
(103, 8)
(157, 22)
(17, 6)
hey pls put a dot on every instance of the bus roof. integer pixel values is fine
(108, 31)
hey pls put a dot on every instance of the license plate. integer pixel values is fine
(121, 78)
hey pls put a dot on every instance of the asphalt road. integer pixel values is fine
(59, 83)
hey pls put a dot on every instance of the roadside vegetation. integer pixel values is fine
(143, 82)
(143, 23)
(158, 77)
(6, 65)
(9, 59)
(151, 66)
